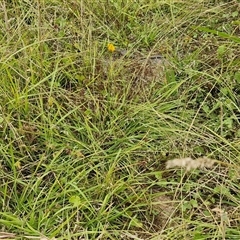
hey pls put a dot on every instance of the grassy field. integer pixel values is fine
(96, 97)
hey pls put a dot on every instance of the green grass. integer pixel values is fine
(85, 133)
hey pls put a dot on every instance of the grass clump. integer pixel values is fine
(97, 97)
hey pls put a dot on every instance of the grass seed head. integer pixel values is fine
(190, 163)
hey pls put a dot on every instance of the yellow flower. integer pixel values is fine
(111, 47)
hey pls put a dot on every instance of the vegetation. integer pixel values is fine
(96, 96)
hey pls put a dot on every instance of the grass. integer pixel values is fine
(86, 132)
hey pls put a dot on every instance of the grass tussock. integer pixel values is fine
(96, 96)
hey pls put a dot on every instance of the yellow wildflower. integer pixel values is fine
(111, 47)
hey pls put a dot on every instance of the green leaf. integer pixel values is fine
(235, 14)
(205, 108)
(237, 77)
(158, 175)
(198, 236)
(221, 51)
(221, 190)
(194, 203)
(75, 200)
(228, 122)
(186, 206)
(218, 33)
(170, 76)
(80, 77)
(135, 222)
